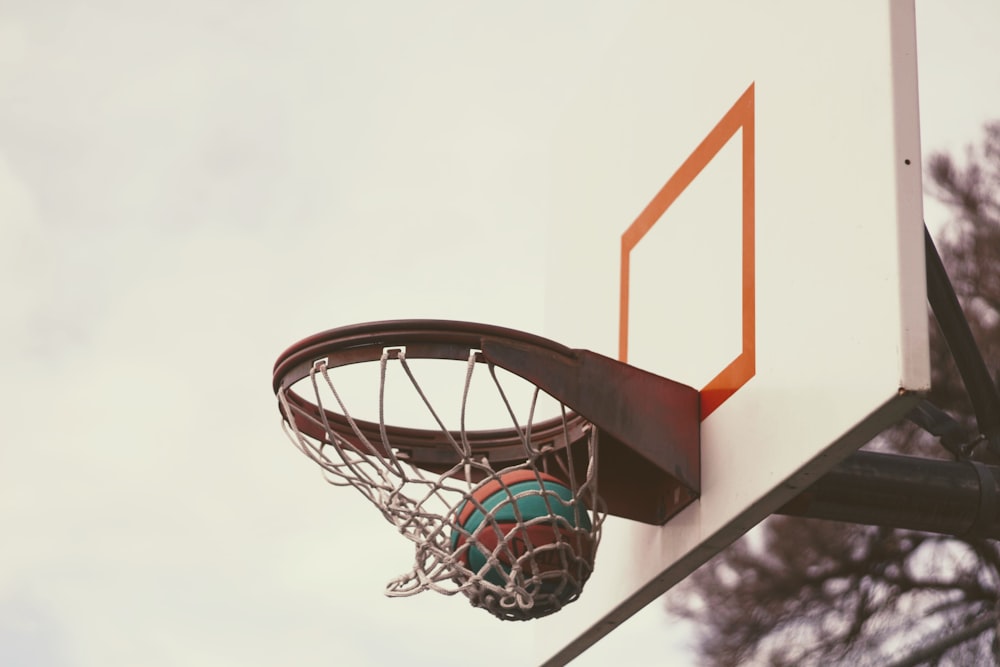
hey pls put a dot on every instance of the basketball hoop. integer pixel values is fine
(510, 517)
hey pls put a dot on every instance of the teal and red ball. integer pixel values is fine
(529, 521)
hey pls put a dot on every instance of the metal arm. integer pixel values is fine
(975, 375)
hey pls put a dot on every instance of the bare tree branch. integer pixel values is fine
(937, 648)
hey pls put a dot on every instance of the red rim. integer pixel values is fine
(423, 339)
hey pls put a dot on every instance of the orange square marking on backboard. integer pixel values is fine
(742, 368)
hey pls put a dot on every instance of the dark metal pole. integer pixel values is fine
(954, 498)
(975, 375)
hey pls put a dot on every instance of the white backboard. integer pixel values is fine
(736, 205)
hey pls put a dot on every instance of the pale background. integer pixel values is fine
(185, 189)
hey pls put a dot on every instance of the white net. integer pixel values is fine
(509, 517)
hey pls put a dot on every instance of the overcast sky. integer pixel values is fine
(187, 188)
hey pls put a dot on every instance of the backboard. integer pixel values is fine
(736, 205)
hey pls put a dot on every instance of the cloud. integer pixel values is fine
(29, 633)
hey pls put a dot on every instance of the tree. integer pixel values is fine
(798, 591)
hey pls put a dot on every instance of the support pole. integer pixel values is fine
(971, 366)
(954, 498)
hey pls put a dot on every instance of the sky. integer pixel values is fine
(188, 188)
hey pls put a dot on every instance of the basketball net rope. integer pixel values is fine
(425, 506)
